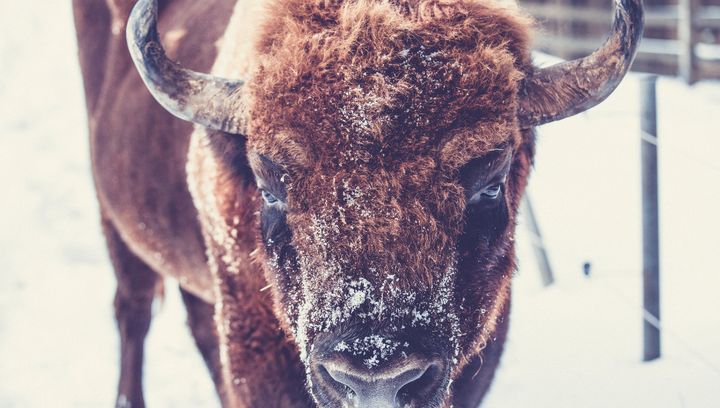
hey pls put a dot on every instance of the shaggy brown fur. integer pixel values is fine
(374, 107)
(363, 117)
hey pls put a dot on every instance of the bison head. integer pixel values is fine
(390, 142)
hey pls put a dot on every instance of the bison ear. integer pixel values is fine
(572, 87)
(213, 102)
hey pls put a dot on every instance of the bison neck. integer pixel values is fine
(139, 150)
(473, 384)
(140, 164)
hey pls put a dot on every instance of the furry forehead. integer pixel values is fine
(405, 77)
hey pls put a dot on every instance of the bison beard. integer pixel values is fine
(390, 142)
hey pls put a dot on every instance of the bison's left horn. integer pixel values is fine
(200, 98)
(572, 87)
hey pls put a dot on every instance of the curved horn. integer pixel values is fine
(571, 87)
(192, 96)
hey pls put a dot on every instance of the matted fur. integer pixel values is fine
(402, 74)
(369, 110)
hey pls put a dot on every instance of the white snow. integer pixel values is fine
(577, 344)
(375, 348)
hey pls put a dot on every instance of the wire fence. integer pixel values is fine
(680, 152)
(634, 307)
(680, 39)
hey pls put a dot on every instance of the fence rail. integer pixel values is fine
(691, 51)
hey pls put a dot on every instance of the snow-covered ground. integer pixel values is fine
(576, 344)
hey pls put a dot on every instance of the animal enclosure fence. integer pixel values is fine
(682, 37)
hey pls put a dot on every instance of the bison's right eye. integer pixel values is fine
(269, 198)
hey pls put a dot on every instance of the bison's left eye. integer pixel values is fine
(483, 178)
(487, 194)
(492, 192)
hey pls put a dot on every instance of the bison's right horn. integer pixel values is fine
(200, 98)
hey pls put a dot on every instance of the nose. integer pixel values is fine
(399, 386)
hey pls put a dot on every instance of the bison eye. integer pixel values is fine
(270, 199)
(492, 192)
(487, 194)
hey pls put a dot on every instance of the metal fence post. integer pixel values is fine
(687, 37)
(537, 242)
(650, 216)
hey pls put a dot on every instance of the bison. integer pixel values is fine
(338, 198)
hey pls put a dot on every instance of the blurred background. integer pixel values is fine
(681, 38)
(577, 342)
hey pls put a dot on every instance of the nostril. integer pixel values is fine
(334, 383)
(423, 386)
(398, 386)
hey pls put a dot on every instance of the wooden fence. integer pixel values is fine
(680, 39)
